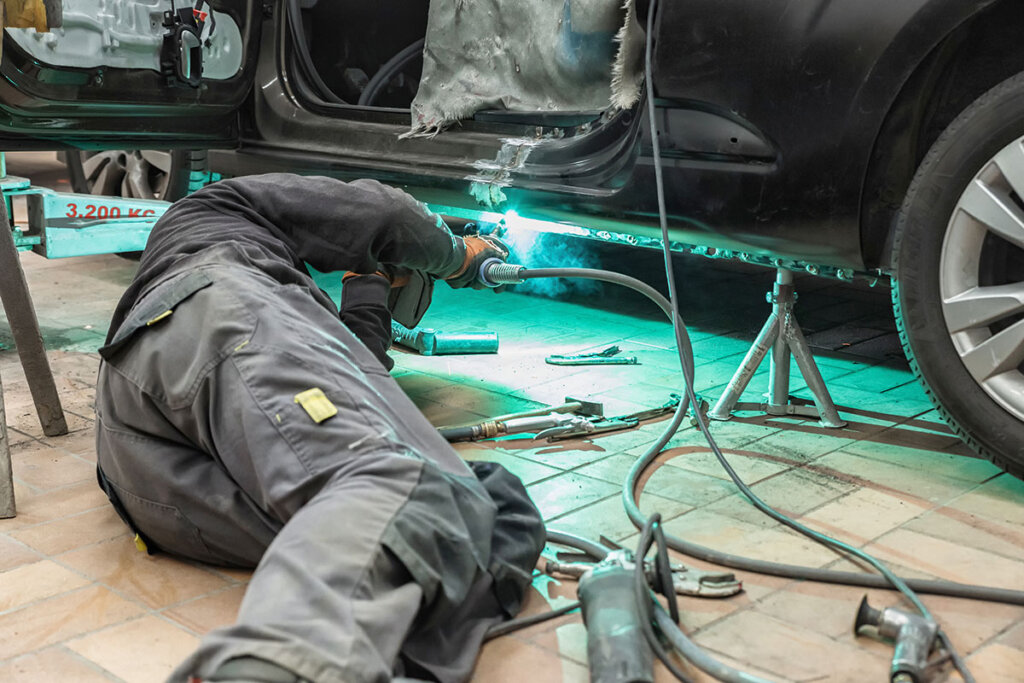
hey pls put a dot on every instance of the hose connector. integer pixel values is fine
(494, 273)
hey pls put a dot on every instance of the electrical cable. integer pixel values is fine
(506, 627)
(950, 588)
(896, 581)
(653, 611)
(629, 493)
(388, 71)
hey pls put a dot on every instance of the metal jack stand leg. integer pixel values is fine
(781, 336)
(25, 328)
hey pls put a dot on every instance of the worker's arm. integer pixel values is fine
(330, 224)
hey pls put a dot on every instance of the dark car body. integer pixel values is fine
(790, 128)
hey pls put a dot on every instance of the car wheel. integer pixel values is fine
(140, 174)
(959, 274)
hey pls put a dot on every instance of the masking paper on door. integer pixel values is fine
(527, 55)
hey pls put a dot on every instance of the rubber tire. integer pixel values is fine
(991, 123)
(183, 163)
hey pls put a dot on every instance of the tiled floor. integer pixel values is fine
(79, 603)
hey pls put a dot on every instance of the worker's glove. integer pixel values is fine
(479, 248)
(410, 294)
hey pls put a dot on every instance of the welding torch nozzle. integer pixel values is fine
(494, 273)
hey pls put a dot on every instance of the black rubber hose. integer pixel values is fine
(667, 625)
(700, 552)
(304, 58)
(387, 71)
(595, 550)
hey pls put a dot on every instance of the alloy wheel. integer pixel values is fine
(982, 278)
(140, 174)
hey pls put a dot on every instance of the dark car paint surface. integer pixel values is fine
(769, 111)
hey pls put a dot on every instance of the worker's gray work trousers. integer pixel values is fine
(379, 550)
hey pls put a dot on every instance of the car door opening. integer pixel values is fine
(447, 62)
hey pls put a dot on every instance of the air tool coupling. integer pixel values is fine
(913, 636)
(494, 273)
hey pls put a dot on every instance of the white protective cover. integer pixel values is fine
(527, 55)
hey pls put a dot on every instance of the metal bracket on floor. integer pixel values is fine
(782, 336)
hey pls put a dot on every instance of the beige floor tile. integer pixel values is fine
(792, 651)
(948, 560)
(567, 492)
(971, 624)
(510, 660)
(751, 467)
(998, 499)
(441, 415)
(976, 531)
(36, 508)
(157, 581)
(82, 444)
(862, 515)
(207, 613)
(568, 640)
(736, 536)
(47, 468)
(232, 575)
(59, 618)
(692, 488)
(793, 493)
(800, 443)
(52, 664)
(14, 554)
(997, 663)
(918, 486)
(139, 651)
(951, 466)
(528, 471)
(1014, 637)
(829, 609)
(27, 422)
(36, 581)
(608, 517)
(73, 532)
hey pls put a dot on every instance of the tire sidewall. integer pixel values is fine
(994, 121)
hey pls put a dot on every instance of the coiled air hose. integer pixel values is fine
(512, 274)
(497, 273)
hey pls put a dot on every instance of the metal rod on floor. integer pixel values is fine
(25, 328)
(6, 474)
(781, 336)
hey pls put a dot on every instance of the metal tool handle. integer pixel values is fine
(617, 650)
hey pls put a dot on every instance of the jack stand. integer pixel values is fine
(25, 328)
(782, 336)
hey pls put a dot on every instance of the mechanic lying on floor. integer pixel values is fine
(240, 421)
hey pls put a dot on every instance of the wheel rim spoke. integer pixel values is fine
(1011, 164)
(999, 214)
(982, 306)
(93, 165)
(160, 160)
(136, 180)
(1001, 353)
(108, 180)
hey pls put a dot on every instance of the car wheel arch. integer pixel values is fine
(943, 83)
